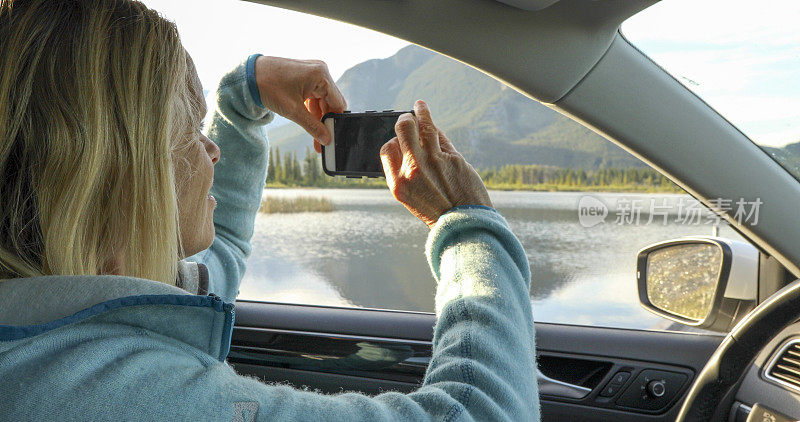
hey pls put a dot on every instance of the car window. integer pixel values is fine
(581, 206)
(742, 59)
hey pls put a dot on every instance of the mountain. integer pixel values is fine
(489, 123)
(787, 156)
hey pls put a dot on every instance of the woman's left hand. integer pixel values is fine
(300, 90)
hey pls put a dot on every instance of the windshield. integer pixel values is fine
(742, 58)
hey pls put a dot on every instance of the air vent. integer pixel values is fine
(785, 366)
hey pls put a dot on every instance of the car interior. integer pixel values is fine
(571, 56)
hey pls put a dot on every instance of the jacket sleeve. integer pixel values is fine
(483, 364)
(237, 126)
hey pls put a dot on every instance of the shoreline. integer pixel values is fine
(511, 188)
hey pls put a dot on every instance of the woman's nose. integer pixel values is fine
(212, 149)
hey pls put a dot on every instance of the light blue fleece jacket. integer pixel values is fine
(120, 348)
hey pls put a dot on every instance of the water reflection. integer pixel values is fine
(370, 253)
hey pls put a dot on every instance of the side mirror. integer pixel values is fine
(704, 282)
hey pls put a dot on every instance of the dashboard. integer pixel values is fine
(763, 385)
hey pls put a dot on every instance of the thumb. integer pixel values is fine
(312, 125)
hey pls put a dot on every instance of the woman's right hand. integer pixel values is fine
(425, 172)
(300, 90)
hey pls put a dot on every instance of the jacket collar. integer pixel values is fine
(34, 306)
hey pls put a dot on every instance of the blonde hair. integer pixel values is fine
(94, 99)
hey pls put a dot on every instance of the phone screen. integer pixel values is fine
(359, 140)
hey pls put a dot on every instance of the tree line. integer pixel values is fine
(286, 170)
(533, 174)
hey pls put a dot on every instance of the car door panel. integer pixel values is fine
(333, 349)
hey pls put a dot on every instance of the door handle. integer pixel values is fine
(554, 387)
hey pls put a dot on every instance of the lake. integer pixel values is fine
(369, 252)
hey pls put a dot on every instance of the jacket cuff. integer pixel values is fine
(466, 207)
(236, 92)
(252, 84)
(464, 222)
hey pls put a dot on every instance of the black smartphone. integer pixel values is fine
(356, 141)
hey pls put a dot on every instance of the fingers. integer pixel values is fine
(408, 134)
(311, 124)
(325, 89)
(314, 107)
(317, 109)
(334, 97)
(324, 96)
(392, 159)
(302, 91)
(428, 133)
(445, 144)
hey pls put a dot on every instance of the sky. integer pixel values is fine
(221, 33)
(743, 58)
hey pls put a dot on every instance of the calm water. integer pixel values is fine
(369, 252)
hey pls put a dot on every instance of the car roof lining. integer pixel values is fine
(572, 57)
(560, 43)
(530, 5)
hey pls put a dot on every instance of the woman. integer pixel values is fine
(104, 187)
